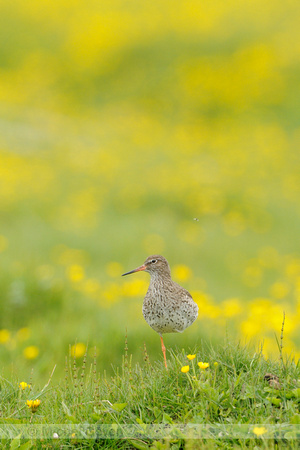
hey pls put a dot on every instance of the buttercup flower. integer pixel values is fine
(23, 385)
(4, 336)
(190, 357)
(203, 365)
(78, 350)
(185, 369)
(33, 404)
(31, 352)
(259, 431)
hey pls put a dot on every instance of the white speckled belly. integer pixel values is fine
(169, 317)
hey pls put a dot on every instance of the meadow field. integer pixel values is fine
(135, 128)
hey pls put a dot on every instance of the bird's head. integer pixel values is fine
(154, 264)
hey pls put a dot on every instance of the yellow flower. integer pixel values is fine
(182, 272)
(31, 352)
(279, 290)
(190, 357)
(4, 336)
(78, 350)
(24, 385)
(185, 369)
(33, 404)
(203, 365)
(231, 307)
(259, 430)
(75, 273)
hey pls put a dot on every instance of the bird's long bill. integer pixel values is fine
(138, 269)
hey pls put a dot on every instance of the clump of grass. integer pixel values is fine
(228, 387)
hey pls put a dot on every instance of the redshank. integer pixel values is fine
(167, 307)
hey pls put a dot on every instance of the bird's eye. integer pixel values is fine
(154, 261)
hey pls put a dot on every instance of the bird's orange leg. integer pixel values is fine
(164, 351)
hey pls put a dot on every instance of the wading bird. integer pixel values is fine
(167, 307)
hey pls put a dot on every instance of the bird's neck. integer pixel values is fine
(159, 279)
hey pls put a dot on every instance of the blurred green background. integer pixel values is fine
(133, 128)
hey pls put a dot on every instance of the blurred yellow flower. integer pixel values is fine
(23, 334)
(4, 336)
(91, 287)
(185, 369)
(78, 350)
(31, 352)
(260, 307)
(33, 404)
(181, 272)
(134, 288)
(75, 273)
(66, 256)
(23, 385)
(231, 307)
(250, 327)
(203, 365)
(259, 431)
(110, 293)
(207, 308)
(293, 268)
(190, 357)
(279, 290)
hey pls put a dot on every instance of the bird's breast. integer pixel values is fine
(165, 313)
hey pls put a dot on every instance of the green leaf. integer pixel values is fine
(167, 419)
(289, 395)
(15, 443)
(156, 411)
(141, 445)
(296, 392)
(119, 406)
(72, 419)
(274, 400)
(139, 421)
(95, 417)
(291, 435)
(27, 445)
(295, 419)
(237, 381)
(114, 427)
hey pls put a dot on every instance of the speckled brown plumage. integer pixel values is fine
(167, 307)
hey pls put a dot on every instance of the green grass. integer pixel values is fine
(231, 392)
